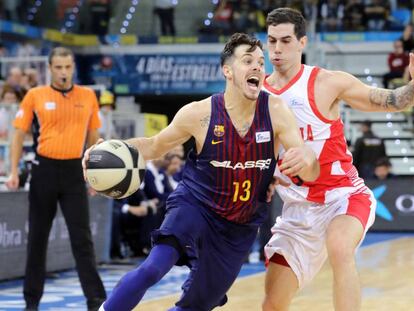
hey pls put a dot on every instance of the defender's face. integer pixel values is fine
(284, 48)
(62, 69)
(246, 72)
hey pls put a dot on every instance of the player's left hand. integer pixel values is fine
(294, 160)
(271, 189)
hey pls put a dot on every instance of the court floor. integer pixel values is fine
(385, 262)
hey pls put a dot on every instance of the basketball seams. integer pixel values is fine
(115, 169)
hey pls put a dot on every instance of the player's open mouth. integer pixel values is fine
(253, 82)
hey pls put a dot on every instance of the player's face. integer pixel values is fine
(285, 50)
(62, 69)
(246, 72)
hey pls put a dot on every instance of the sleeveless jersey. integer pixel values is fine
(231, 174)
(324, 136)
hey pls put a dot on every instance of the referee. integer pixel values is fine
(62, 117)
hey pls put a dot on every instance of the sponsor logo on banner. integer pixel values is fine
(395, 204)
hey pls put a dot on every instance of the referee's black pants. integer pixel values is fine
(60, 181)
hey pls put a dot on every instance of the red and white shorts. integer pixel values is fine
(299, 234)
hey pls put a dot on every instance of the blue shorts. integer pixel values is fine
(214, 249)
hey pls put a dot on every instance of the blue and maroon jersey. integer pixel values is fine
(231, 174)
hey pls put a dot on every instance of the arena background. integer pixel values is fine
(144, 77)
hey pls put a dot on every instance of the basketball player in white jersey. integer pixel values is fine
(327, 218)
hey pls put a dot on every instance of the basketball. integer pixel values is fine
(115, 169)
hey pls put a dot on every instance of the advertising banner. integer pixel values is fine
(395, 204)
(169, 74)
(13, 234)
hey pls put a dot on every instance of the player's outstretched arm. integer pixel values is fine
(367, 98)
(299, 159)
(176, 133)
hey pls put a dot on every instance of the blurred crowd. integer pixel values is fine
(89, 16)
(228, 16)
(330, 15)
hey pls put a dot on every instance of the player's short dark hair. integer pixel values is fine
(60, 51)
(235, 41)
(384, 161)
(288, 16)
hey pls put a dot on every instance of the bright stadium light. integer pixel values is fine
(128, 16)
(33, 9)
(69, 22)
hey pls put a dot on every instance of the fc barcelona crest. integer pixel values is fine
(219, 130)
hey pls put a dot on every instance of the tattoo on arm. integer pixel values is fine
(205, 121)
(391, 100)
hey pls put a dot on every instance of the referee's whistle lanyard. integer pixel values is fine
(63, 91)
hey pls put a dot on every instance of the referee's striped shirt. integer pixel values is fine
(63, 119)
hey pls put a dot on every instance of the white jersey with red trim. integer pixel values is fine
(325, 137)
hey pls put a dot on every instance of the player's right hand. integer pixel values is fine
(13, 182)
(86, 156)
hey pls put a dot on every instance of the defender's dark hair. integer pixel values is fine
(236, 40)
(288, 16)
(60, 51)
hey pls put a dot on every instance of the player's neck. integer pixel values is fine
(281, 77)
(239, 107)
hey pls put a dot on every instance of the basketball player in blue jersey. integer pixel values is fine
(214, 214)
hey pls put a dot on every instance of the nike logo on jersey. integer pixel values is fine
(215, 142)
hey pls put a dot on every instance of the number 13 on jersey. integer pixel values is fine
(241, 190)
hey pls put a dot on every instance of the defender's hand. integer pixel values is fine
(294, 160)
